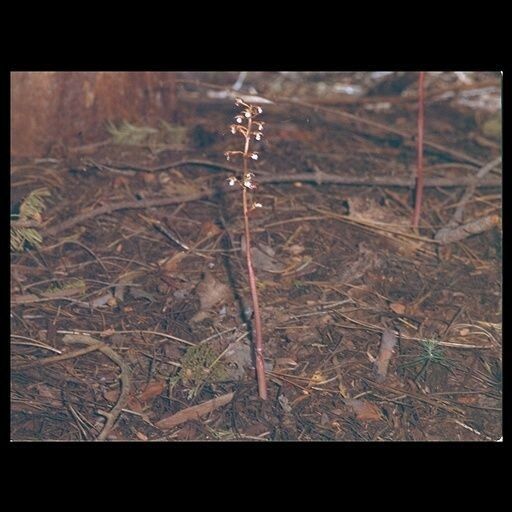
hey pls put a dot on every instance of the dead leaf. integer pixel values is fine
(467, 399)
(286, 362)
(149, 178)
(262, 261)
(152, 390)
(263, 257)
(238, 356)
(112, 302)
(195, 412)
(209, 229)
(170, 265)
(295, 249)
(188, 432)
(285, 403)
(139, 293)
(364, 411)
(387, 346)
(49, 392)
(111, 395)
(211, 293)
(103, 300)
(397, 308)
(256, 430)
(120, 182)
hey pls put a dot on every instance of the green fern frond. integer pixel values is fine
(30, 210)
(33, 204)
(129, 134)
(21, 235)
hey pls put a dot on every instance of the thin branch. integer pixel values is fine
(124, 377)
(419, 149)
(449, 235)
(317, 178)
(380, 126)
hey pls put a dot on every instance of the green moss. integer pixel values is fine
(200, 365)
(128, 134)
(492, 127)
(71, 283)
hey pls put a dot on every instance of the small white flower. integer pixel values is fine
(227, 156)
(247, 113)
(257, 205)
(259, 109)
(231, 180)
(258, 136)
(233, 129)
(238, 119)
(254, 156)
(248, 184)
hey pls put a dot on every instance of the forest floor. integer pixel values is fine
(131, 319)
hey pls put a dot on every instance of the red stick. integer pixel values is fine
(419, 147)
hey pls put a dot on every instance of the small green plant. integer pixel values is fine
(201, 365)
(73, 283)
(431, 353)
(128, 134)
(25, 223)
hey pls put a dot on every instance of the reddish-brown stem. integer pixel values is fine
(419, 147)
(172, 97)
(258, 339)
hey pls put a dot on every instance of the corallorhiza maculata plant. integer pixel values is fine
(249, 128)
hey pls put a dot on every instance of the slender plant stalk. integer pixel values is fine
(419, 147)
(246, 183)
(258, 339)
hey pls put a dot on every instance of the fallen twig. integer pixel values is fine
(419, 148)
(387, 345)
(441, 404)
(124, 377)
(317, 177)
(320, 178)
(126, 205)
(55, 359)
(449, 235)
(384, 127)
(195, 412)
(163, 167)
(468, 194)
